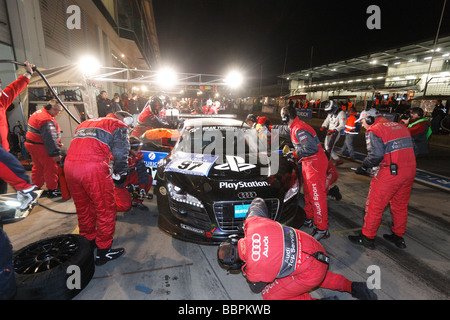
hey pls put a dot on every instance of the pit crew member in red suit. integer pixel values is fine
(281, 262)
(11, 171)
(90, 175)
(137, 176)
(314, 169)
(150, 118)
(389, 146)
(43, 142)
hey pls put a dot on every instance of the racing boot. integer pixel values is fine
(308, 223)
(320, 234)
(105, 255)
(395, 239)
(363, 241)
(360, 291)
(53, 193)
(334, 192)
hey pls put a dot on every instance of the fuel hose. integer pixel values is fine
(48, 85)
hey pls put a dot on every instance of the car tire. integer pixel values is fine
(41, 268)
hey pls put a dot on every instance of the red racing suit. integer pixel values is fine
(88, 175)
(137, 175)
(43, 140)
(11, 171)
(281, 257)
(6, 98)
(148, 120)
(388, 143)
(314, 170)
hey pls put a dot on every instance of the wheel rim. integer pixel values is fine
(45, 255)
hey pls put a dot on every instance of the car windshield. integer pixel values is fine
(218, 140)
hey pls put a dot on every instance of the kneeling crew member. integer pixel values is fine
(282, 262)
(137, 176)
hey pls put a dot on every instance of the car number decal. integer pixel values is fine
(194, 164)
(151, 159)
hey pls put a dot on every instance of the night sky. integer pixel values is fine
(214, 36)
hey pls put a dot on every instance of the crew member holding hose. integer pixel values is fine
(11, 171)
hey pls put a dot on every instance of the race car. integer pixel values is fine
(204, 187)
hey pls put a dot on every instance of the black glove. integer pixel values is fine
(362, 170)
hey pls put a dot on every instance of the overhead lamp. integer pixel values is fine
(89, 65)
(166, 78)
(234, 79)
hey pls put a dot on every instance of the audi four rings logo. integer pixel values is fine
(247, 195)
(256, 246)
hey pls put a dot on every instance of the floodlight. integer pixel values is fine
(234, 79)
(88, 65)
(166, 78)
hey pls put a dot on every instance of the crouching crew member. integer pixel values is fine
(281, 262)
(90, 178)
(389, 146)
(137, 176)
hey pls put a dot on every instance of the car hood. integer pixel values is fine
(208, 177)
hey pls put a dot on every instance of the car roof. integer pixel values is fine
(215, 122)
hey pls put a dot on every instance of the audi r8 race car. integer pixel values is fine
(204, 187)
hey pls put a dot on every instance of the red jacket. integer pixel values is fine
(389, 142)
(43, 129)
(6, 98)
(306, 143)
(273, 251)
(99, 139)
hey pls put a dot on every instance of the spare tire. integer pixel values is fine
(41, 268)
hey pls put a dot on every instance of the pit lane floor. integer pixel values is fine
(177, 270)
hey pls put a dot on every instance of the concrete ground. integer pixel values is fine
(177, 270)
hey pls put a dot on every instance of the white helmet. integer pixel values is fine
(374, 113)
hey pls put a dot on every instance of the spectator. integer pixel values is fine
(280, 271)
(133, 104)
(439, 112)
(43, 143)
(350, 133)
(103, 104)
(420, 130)
(115, 105)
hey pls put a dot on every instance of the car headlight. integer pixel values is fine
(292, 191)
(177, 194)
